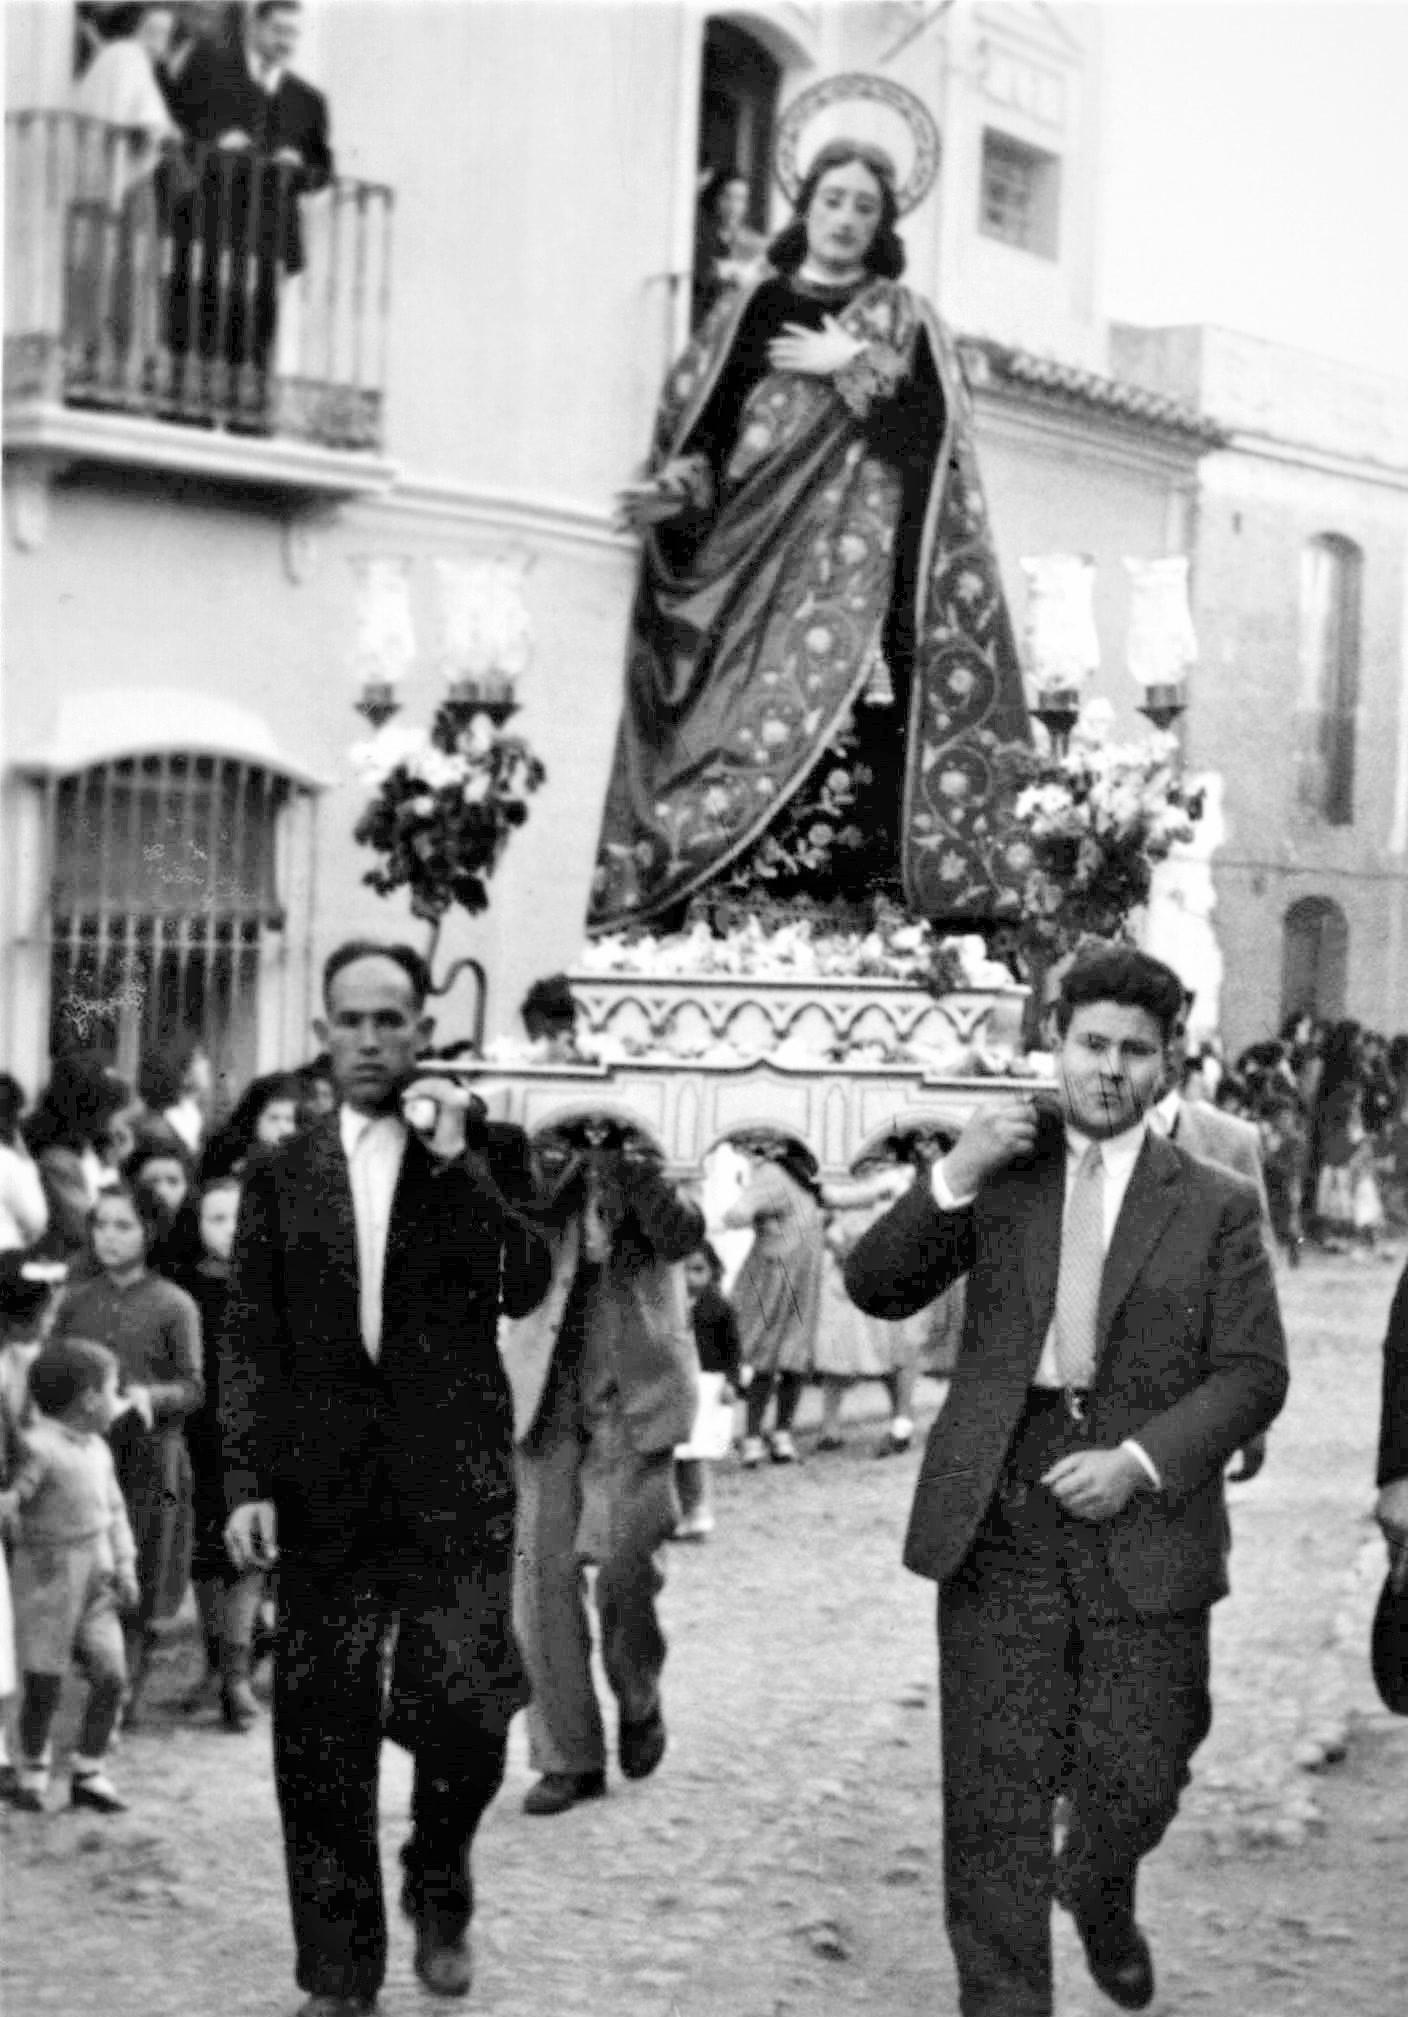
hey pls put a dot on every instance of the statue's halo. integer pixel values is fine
(856, 106)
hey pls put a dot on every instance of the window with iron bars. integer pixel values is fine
(164, 906)
(1019, 203)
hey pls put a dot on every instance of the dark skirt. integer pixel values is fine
(154, 1471)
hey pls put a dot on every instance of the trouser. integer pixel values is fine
(788, 1388)
(694, 1481)
(66, 1613)
(584, 1495)
(1050, 1681)
(454, 1684)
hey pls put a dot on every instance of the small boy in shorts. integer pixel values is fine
(74, 1566)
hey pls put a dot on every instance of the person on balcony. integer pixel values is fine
(604, 1376)
(817, 572)
(261, 142)
(114, 252)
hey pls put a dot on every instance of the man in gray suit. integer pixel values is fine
(1121, 1341)
(604, 1377)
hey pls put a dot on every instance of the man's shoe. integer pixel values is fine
(784, 1450)
(446, 1967)
(1116, 1952)
(322, 2005)
(239, 1705)
(555, 1792)
(753, 1452)
(96, 1792)
(642, 1745)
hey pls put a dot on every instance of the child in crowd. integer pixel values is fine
(153, 1329)
(27, 1290)
(720, 1360)
(75, 1563)
(160, 1166)
(227, 1599)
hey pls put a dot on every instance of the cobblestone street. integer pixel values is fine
(786, 1857)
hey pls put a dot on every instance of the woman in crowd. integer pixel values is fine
(812, 496)
(726, 248)
(265, 1115)
(777, 1296)
(153, 1329)
(851, 1346)
(175, 1084)
(70, 1137)
(116, 252)
(160, 1166)
(24, 1211)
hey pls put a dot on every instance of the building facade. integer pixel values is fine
(464, 371)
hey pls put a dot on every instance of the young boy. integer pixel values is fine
(75, 1563)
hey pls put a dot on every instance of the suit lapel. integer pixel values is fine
(1154, 1195)
(331, 1189)
(409, 1205)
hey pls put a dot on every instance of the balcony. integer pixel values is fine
(170, 307)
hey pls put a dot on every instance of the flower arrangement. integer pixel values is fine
(1088, 825)
(443, 806)
(895, 948)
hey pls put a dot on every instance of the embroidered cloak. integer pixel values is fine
(761, 614)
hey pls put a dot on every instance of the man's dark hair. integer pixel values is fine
(1125, 976)
(550, 1001)
(886, 258)
(267, 7)
(406, 957)
(65, 1370)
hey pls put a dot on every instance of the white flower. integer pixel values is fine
(442, 772)
(390, 748)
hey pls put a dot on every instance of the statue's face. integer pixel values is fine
(731, 204)
(844, 215)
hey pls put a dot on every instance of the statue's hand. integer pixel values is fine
(816, 353)
(641, 505)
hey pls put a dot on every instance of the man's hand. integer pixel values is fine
(993, 1137)
(445, 1114)
(1095, 1484)
(251, 1535)
(235, 140)
(288, 157)
(1391, 1512)
(1247, 1462)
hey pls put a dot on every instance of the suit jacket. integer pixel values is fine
(1191, 1354)
(641, 1299)
(241, 196)
(409, 1455)
(1230, 1142)
(1393, 1417)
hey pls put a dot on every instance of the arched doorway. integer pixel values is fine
(1314, 959)
(737, 110)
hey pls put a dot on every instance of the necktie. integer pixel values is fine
(1082, 1264)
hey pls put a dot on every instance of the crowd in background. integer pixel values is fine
(1330, 1101)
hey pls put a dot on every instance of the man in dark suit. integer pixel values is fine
(368, 1441)
(1121, 1341)
(1391, 1512)
(263, 136)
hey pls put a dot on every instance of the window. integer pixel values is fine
(1020, 200)
(1314, 959)
(162, 905)
(1330, 584)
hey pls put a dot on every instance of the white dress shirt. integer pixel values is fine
(1119, 1153)
(374, 1145)
(1163, 1115)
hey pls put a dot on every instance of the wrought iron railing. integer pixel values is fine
(202, 286)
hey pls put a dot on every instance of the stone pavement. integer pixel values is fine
(786, 1858)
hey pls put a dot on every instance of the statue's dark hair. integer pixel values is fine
(886, 258)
